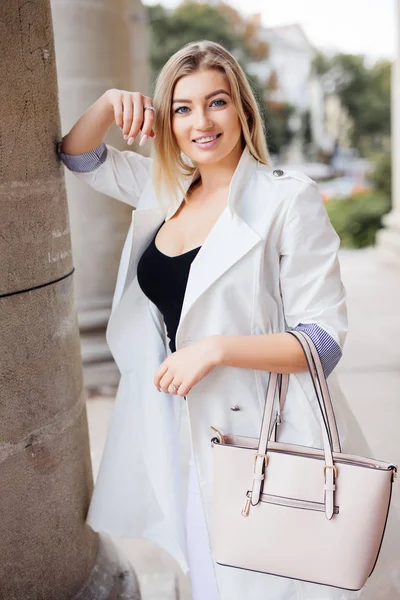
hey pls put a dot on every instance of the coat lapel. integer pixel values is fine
(145, 223)
(229, 240)
(146, 219)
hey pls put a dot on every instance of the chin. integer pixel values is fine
(209, 157)
(207, 160)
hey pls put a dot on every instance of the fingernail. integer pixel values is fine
(143, 140)
(125, 136)
(131, 140)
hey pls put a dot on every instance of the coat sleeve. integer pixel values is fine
(119, 174)
(312, 291)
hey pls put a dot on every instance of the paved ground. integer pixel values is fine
(370, 377)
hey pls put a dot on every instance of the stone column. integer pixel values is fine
(95, 51)
(139, 54)
(388, 239)
(47, 550)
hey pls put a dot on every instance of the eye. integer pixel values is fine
(220, 100)
(179, 109)
(182, 110)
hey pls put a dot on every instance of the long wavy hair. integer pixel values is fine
(170, 165)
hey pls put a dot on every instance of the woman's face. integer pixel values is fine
(204, 119)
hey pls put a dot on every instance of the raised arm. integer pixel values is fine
(119, 174)
(90, 129)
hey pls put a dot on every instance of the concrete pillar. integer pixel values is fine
(139, 54)
(388, 239)
(47, 550)
(100, 44)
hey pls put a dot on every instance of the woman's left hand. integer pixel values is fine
(185, 367)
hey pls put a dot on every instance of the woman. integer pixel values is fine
(224, 255)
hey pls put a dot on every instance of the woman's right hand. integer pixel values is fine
(129, 114)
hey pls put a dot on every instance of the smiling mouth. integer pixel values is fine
(206, 139)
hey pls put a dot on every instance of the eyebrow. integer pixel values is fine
(206, 97)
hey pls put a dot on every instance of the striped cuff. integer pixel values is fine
(83, 163)
(328, 349)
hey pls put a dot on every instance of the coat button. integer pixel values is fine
(278, 173)
(236, 407)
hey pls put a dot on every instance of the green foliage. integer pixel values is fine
(381, 176)
(189, 22)
(364, 91)
(357, 219)
(276, 118)
(306, 120)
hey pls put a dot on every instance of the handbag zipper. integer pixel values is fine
(369, 465)
(246, 507)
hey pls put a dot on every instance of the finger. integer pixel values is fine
(118, 111)
(172, 389)
(183, 389)
(128, 113)
(137, 100)
(147, 122)
(162, 369)
(165, 382)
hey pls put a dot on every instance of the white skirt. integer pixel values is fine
(201, 573)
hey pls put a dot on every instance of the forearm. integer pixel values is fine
(275, 352)
(90, 129)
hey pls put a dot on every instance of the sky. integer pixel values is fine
(353, 26)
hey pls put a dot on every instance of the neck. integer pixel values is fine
(218, 175)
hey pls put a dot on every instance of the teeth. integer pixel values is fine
(206, 139)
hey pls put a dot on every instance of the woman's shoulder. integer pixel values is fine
(283, 175)
(290, 194)
(286, 185)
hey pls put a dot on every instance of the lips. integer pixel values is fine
(213, 137)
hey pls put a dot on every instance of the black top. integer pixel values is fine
(163, 279)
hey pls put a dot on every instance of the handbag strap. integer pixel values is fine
(323, 388)
(326, 401)
(283, 384)
(327, 422)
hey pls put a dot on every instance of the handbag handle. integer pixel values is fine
(327, 420)
(324, 398)
(317, 373)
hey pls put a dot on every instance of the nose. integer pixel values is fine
(202, 120)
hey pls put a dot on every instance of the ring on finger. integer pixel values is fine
(148, 107)
(174, 387)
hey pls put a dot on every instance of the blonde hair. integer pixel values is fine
(169, 164)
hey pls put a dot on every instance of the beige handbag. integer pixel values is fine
(295, 511)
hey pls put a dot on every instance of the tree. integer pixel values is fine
(190, 21)
(364, 91)
(193, 21)
(276, 118)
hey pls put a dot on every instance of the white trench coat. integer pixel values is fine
(268, 264)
